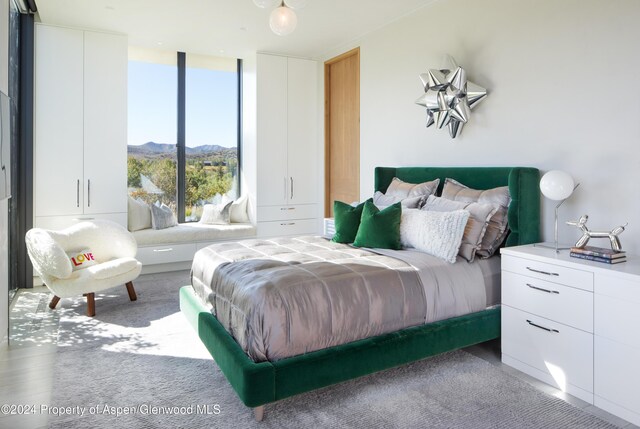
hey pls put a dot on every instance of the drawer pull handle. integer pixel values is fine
(288, 223)
(168, 249)
(543, 272)
(287, 208)
(542, 289)
(79, 219)
(542, 327)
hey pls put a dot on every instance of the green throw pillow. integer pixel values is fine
(347, 220)
(379, 228)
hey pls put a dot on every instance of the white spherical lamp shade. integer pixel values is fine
(557, 185)
(283, 21)
(266, 3)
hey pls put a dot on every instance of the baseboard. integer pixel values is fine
(617, 410)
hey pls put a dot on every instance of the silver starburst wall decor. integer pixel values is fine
(449, 98)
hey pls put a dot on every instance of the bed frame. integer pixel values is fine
(261, 383)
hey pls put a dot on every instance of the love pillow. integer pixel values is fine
(82, 259)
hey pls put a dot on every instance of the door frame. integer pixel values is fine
(327, 122)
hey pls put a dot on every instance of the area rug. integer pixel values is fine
(140, 365)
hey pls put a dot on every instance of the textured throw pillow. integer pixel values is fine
(436, 233)
(239, 210)
(379, 228)
(216, 214)
(347, 221)
(138, 215)
(401, 189)
(498, 225)
(476, 225)
(162, 216)
(81, 259)
(383, 201)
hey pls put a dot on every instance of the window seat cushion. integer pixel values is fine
(193, 232)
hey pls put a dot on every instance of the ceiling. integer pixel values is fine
(231, 28)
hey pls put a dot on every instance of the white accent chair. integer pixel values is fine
(113, 247)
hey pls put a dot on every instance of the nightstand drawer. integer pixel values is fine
(562, 352)
(567, 305)
(549, 272)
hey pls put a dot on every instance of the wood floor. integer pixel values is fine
(26, 364)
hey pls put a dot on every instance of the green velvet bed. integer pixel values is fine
(261, 383)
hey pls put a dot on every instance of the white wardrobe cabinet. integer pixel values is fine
(287, 197)
(80, 150)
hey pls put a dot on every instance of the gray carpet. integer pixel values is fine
(144, 355)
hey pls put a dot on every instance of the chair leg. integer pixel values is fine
(54, 302)
(258, 413)
(91, 304)
(131, 291)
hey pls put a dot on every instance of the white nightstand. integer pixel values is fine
(574, 324)
(329, 227)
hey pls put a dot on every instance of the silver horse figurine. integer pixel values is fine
(612, 235)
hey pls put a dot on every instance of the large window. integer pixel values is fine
(183, 123)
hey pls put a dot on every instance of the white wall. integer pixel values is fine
(4, 207)
(564, 93)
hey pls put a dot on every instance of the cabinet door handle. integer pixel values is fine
(168, 249)
(542, 327)
(291, 178)
(88, 192)
(542, 289)
(546, 273)
(78, 193)
(288, 223)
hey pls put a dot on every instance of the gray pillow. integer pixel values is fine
(216, 214)
(498, 224)
(479, 215)
(383, 200)
(401, 189)
(162, 216)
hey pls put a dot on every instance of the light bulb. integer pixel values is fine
(266, 3)
(296, 4)
(283, 21)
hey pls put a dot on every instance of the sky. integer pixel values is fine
(211, 105)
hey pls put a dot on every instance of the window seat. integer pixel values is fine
(193, 232)
(173, 248)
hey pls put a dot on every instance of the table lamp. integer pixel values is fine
(557, 185)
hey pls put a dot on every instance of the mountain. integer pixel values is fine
(152, 148)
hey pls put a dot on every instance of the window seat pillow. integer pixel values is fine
(194, 232)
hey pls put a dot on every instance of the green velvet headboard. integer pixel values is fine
(524, 211)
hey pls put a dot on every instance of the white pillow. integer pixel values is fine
(138, 215)
(216, 214)
(162, 216)
(81, 259)
(239, 210)
(436, 233)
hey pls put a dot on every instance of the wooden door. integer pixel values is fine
(342, 129)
